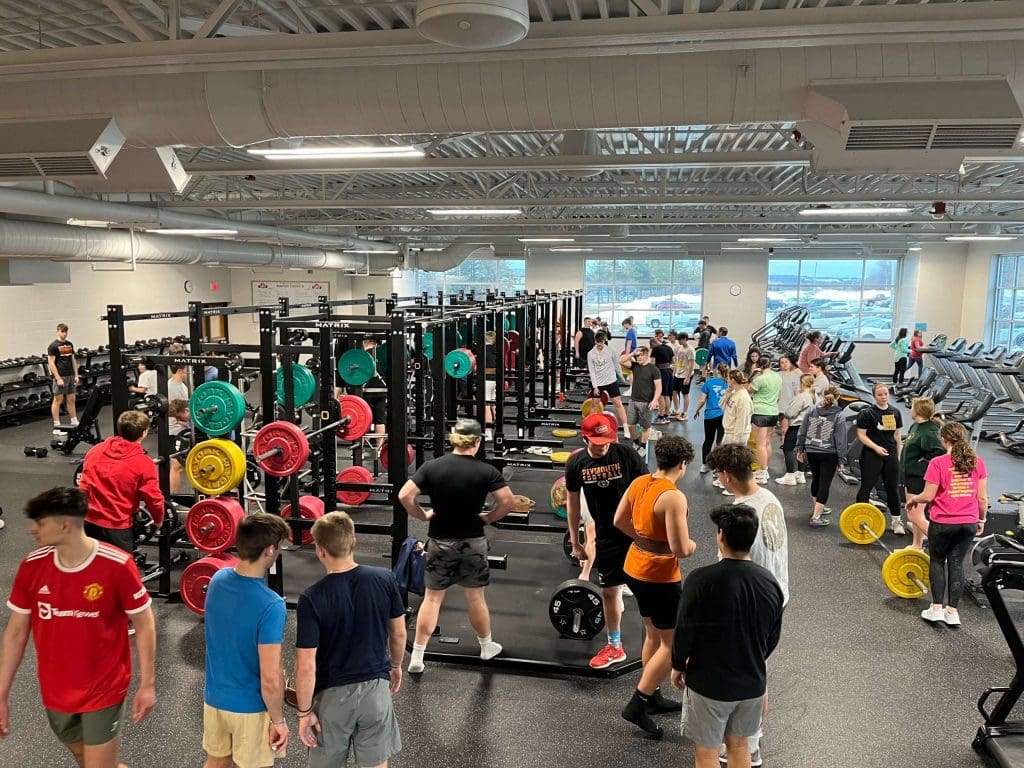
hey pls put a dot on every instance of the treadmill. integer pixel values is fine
(1001, 739)
(940, 356)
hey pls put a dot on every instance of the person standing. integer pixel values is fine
(684, 369)
(350, 639)
(822, 442)
(177, 388)
(583, 341)
(956, 485)
(456, 552)
(900, 352)
(723, 350)
(790, 376)
(765, 389)
(796, 409)
(878, 429)
(117, 476)
(923, 444)
(738, 409)
(644, 397)
(600, 476)
(811, 351)
(653, 515)
(375, 391)
(750, 362)
(663, 355)
(819, 370)
(603, 366)
(916, 358)
(730, 621)
(179, 427)
(631, 340)
(243, 699)
(711, 393)
(63, 366)
(75, 597)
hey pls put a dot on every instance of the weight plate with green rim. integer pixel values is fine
(304, 384)
(356, 367)
(428, 345)
(459, 363)
(217, 407)
(383, 361)
(700, 357)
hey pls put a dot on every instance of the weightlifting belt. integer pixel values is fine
(664, 366)
(652, 546)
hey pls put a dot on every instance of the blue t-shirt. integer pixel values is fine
(211, 374)
(241, 613)
(345, 617)
(631, 342)
(723, 350)
(714, 388)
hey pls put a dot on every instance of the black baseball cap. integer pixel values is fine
(468, 428)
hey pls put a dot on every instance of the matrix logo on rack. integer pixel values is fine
(47, 611)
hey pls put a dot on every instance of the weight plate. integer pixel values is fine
(213, 523)
(311, 508)
(559, 497)
(700, 357)
(289, 439)
(195, 579)
(382, 358)
(898, 569)
(304, 385)
(215, 467)
(428, 345)
(560, 457)
(576, 610)
(861, 512)
(356, 367)
(509, 323)
(591, 405)
(360, 416)
(217, 407)
(459, 363)
(382, 454)
(978, 556)
(354, 475)
(564, 433)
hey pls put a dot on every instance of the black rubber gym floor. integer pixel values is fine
(858, 680)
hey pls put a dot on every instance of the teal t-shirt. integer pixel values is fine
(900, 349)
(766, 388)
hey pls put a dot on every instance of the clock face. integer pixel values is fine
(188, 286)
(735, 290)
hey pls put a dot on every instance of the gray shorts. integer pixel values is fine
(637, 412)
(68, 388)
(706, 722)
(456, 562)
(360, 717)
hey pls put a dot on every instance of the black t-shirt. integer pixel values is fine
(604, 481)
(490, 356)
(345, 617)
(457, 486)
(730, 620)
(642, 384)
(586, 341)
(662, 354)
(703, 337)
(62, 352)
(881, 426)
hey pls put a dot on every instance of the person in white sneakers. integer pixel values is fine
(63, 366)
(770, 549)
(603, 367)
(794, 414)
(821, 442)
(878, 429)
(685, 365)
(738, 409)
(765, 389)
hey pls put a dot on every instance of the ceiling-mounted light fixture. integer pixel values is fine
(914, 248)
(474, 211)
(370, 250)
(861, 211)
(979, 238)
(336, 153)
(768, 240)
(547, 239)
(200, 232)
(571, 250)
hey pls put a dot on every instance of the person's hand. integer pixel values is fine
(801, 457)
(653, 405)
(309, 728)
(60, 382)
(396, 680)
(678, 679)
(595, 393)
(881, 451)
(143, 703)
(277, 736)
(579, 552)
(77, 378)
(911, 503)
(696, 414)
(5, 718)
(981, 529)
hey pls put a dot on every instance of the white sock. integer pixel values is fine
(485, 640)
(416, 659)
(755, 741)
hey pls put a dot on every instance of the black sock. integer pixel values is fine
(643, 696)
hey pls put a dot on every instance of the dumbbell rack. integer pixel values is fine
(29, 392)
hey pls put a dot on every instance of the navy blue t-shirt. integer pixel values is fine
(345, 617)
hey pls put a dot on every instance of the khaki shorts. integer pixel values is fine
(89, 728)
(244, 737)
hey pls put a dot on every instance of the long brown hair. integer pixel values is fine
(925, 408)
(964, 457)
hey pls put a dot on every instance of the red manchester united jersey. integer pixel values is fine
(80, 625)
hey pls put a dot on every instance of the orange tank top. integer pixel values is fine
(641, 564)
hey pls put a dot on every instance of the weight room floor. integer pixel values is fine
(858, 680)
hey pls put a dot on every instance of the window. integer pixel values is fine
(478, 275)
(1008, 308)
(850, 298)
(663, 293)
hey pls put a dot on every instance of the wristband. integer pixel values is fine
(304, 712)
(396, 666)
(281, 722)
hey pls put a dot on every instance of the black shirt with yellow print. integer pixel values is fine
(881, 426)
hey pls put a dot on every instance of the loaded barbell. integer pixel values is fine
(905, 571)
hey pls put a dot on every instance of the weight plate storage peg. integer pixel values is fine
(310, 508)
(898, 569)
(459, 363)
(359, 415)
(212, 524)
(862, 512)
(354, 475)
(382, 454)
(575, 610)
(280, 448)
(195, 579)
(217, 407)
(304, 384)
(356, 367)
(214, 467)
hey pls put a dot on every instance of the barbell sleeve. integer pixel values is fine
(267, 454)
(342, 422)
(920, 584)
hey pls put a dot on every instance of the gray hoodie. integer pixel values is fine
(823, 430)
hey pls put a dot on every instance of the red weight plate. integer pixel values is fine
(383, 454)
(195, 579)
(513, 340)
(311, 508)
(290, 439)
(354, 475)
(212, 524)
(360, 417)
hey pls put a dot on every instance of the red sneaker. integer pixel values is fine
(607, 656)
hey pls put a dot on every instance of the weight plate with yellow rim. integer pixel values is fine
(861, 512)
(560, 457)
(591, 405)
(563, 433)
(215, 467)
(899, 567)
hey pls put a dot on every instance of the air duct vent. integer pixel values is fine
(976, 136)
(17, 168)
(68, 165)
(58, 149)
(874, 137)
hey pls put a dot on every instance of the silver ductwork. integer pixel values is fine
(449, 258)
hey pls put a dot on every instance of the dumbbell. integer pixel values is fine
(22, 402)
(39, 453)
(33, 399)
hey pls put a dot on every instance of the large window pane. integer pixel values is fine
(1007, 326)
(479, 275)
(656, 293)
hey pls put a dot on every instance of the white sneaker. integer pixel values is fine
(488, 650)
(74, 422)
(703, 469)
(786, 479)
(761, 476)
(931, 613)
(416, 666)
(897, 527)
(800, 478)
(626, 590)
(2, 524)
(717, 483)
(726, 493)
(951, 619)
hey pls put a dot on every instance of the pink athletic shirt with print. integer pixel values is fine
(956, 501)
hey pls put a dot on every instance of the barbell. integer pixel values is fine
(905, 571)
(195, 579)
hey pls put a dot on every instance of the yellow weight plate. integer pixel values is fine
(861, 512)
(564, 433)
(899, 567)
(590, 405)
(560, 457)
(215, 467)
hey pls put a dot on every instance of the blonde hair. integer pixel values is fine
(737, 376)
(830, 397)
(722, 370)
(335, 533)
(964, 457)
(924, 407)
(490, 337)
(463, 441)
(879, 385)
(806, 381)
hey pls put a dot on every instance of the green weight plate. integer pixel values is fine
(304, 385)
(217, 407)
(701, 356)
(510, 323)
(428, 345)
(356, 367)
(382, 358)
(458, 364)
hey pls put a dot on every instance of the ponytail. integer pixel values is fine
(723, 371)
(925, 408)
(964, 457)
(830, 397)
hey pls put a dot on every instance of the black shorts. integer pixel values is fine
(682, 385)
(379, 405)
(760, 420)
(180, 443)
(610, 561)
(612, 389)
(913, 484)
(666, 381)
(122, 538)
(657, 601)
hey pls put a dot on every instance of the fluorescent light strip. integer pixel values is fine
(864, 211)
(739, 248)
(224, 232)
(570, 250)
(370, 250)
(979, 238)
(474, 211)
(768, 240)
(336, 152)
(914, 248)
(547, 239)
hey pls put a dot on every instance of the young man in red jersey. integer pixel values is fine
(75, 596)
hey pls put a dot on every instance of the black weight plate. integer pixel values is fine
(576, 610)
(567, 545)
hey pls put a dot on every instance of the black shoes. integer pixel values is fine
(637, 712)
(659, 705)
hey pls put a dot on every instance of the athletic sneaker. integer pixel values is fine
(800, 478)
(761, 476)
(931, 613)
(653, 434)
(416, 667)
(74, 422)
(636, 713)
(826, 511)
(786, 479)
(897, 527)
(951, 619)
(755, 758)
(625, 591)
(607, 656)
(2, 524)
(489, 650)
(819, 522)
(726, 493)
(703, 469)
(717, 483)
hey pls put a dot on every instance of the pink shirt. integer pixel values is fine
(807, 354)
(956, 501)
(915, 344)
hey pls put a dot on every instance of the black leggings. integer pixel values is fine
(947, 547)
(789, 448)
(823, 469)
(713, 433)
(899, 370)
(871, 466)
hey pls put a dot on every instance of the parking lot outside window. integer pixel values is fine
(656, 293)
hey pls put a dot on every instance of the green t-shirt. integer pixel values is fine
(766, 387)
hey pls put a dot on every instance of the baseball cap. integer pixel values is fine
(467, 427)
(600, 428)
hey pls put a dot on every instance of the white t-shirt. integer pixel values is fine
(603, 365)
(771, 547)
(147, 379)
(176, 390)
